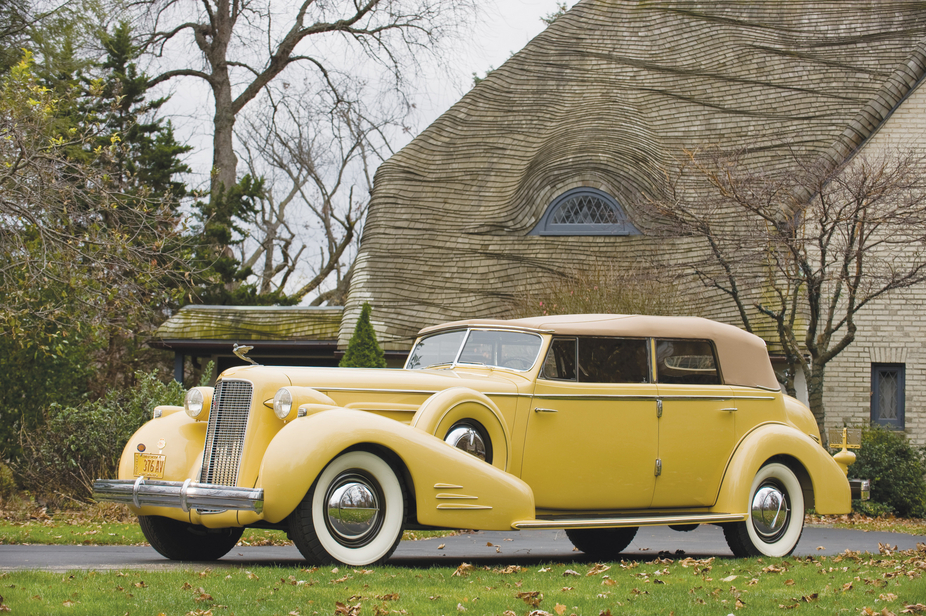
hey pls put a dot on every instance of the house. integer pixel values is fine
(536, 170)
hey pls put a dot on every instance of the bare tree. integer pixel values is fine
(244, 45)
(806, 246)
(317, 152)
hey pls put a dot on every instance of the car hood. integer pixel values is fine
(480, 379)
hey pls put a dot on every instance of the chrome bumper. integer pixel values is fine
(184, 495)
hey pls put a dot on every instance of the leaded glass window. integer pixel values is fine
(585, 211)
(887, 395)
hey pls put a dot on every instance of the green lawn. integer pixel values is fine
(845, 584)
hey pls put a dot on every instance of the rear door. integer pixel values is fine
(696, 427)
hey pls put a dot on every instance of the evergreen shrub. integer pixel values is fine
(363, 351)
(897, 471)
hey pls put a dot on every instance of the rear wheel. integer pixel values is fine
(602, 543)
(776, 515)
(470, 436)
(353, 514)
(182, 541)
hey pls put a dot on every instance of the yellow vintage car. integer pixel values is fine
(595, 424)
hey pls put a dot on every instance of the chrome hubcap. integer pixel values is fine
(468, 439)
(354, 512)
(770, 511)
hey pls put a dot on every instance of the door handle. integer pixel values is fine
(729, 410)
(542, 410)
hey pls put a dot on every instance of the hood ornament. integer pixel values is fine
(241, 350)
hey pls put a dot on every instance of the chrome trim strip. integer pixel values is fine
(615, 522)
(595, 397)
(454, 496)
(423, 392)
(175, 494)
(447, 486)
(462, 507)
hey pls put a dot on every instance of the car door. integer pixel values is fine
(591, 436)
(696, 424)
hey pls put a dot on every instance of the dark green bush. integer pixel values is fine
(75, 445)
(897, 471)
(363, 351)
(871, 508)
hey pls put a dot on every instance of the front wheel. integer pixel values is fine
(776, 515)
(353, 514)
(182, 541)
(602, 543)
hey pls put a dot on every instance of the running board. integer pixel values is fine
(621, 521)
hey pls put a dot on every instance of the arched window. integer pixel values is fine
(585, 211)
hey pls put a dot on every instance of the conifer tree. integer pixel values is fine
(363, 351)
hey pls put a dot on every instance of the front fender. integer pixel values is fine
(451, 488)
(183, 439)
(830, 488)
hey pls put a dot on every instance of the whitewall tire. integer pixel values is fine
(354, 513)
(776, 515)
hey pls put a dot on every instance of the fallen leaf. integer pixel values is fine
(738, 604)
(559, 608)
(489, 544)
(544, 569)
(532, 598)
(463, 570)
(608, 581)
(729, 578)
(820, 547)
(568, 588)
(598, 568)
(251, 576)
(441, 546)
(809, 598)
(460, 607)
(789, 582)
(570, 572)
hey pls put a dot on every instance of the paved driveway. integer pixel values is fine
(525, 547)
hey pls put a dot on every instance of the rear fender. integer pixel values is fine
(825, 486)
(451, 488)
(439, 412)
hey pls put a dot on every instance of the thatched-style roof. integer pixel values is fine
(605, 98)
(210, 328)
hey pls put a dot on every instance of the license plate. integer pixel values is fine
(150, 465)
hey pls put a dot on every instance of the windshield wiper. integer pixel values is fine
(437, 365)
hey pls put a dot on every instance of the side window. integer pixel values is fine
(613, 360)
(686, 362)
(560, 363)
(887, 395)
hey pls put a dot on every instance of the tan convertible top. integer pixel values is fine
(743, 356)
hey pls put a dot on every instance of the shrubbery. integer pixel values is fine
(75, 445)
(897, 471)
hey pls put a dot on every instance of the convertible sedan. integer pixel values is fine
(595, 424)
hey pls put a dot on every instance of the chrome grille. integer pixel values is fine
(228, 423)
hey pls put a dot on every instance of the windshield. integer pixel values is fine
(481, 347)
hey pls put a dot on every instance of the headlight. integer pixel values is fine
(283, 404)
(197, 403)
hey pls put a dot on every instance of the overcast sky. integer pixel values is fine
(503, 27)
